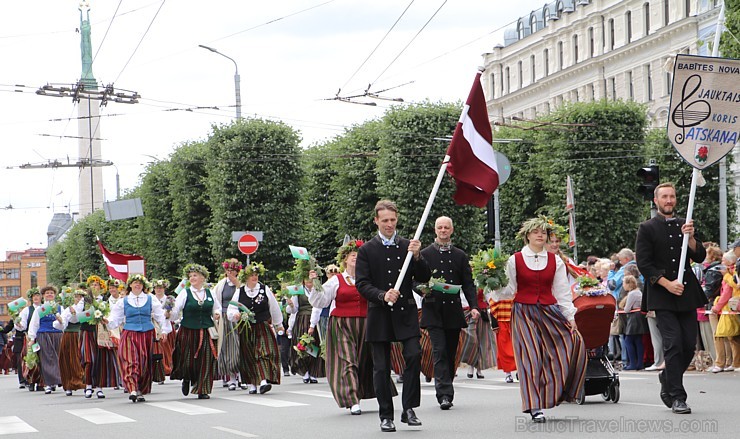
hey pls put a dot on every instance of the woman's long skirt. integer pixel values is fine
(135, 351)
(31, 375)
(349, 365)
(229, 356)
(49, 356)
(550, 359)
(70, 364)
(100, 364)
(314, 366)
(163, 367)
(477, 347)
(194, 359)
(504, 348)
(398, 364)
(259, 354)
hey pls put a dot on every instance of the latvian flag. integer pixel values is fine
(472, 160)
(117, 263)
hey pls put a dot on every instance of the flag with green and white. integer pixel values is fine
(295, 290)
(446, 288)
(299, 252)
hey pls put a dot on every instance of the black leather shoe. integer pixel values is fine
(445, 404)
(664, 395)
(409, 417)
(204, 396)
(140, 399)
(264, 388)
(387, 425)
(539, 418)
(185, 387)
(680, 407)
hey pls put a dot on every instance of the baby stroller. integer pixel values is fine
(594, 316)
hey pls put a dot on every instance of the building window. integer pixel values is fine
(547, 107)
(546, 61)
(2, 291)
(34, 279)
(520, 30)
(668, 80)
(613, 88)
(532, 67)
(13, 273)
(611, 34)
(687, 12)
(520, 74)
(508, 81)
(493, 86)
(533, 23)
(546, 16)
(501, 76)
(649, 82)
(630, 87)
(14, 291)
(628, 27)
(560, 55)
(575, 49)
(666, 12)
(590, 42)
(646, 14)
(3, 309)
(590, 92)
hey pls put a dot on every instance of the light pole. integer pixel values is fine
(237, 81)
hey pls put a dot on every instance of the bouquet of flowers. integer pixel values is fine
(169, 303)
(588, 286)
(489, 269)
(32, 357)
(95, 314)
(426, 288)
(305, 347)
(66, 297)
(246, 317)
(303, 267)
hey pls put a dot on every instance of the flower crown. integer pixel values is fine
(197, 268)
(346, 249)
(232, 264)
(96, 278)
(254, 268)
(161, 283)
(112, 281)
(140, 278)
(540, 222)
(32, 292)
(558, 230)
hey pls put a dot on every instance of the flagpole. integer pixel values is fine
(423, 221)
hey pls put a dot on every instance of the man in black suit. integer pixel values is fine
(392, 314)
(658, 248)
(442, 314)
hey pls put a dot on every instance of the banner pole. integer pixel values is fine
(689, 215)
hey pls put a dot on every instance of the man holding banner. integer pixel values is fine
(392, 313)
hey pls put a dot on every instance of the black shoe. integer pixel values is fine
(539, 418)
(427, 379)
(664, 395)
(264, 388)
(140, 399)
(470, 375)
(204, 396)
(313, 380)
(306, 380)
(680, 407)
(479, 375)
(21, 386)
(185, 387)
(445, 404)
(133, 397)
(387, 425)
(409, 417)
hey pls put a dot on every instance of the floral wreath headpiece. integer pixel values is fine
(197, 268)
(558, 230)
(161, 283)
(112, 281)
(99, 280)
(32, 292)
(140, 278)
(540, 222)
(232, 264)
(344, 251)
(253, 268)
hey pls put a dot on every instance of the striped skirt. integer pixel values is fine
(259, 353)
(314, 366)
(477, 347)
(70, 364)
(163, 367)
(349, 365)
(551, 359)
(135, 351)
(427, 360)
(194, 359)
(228, 355)
(100, 364)
(398, 364)
(49, 356)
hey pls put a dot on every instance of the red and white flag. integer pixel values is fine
(472, 161)
(117, 263)
(570, 207)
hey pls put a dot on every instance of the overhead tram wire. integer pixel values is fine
(140, 41)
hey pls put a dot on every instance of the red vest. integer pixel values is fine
(349, 302)
(534, 286)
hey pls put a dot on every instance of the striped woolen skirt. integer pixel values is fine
(49, 356)
(194, 359)
(70, 365)
(349, 365)
(162, 368)
(314, 366)
(100, 364)
(228, 356)
(259, 354)
(477, 347)
(550, 359)
(135, 351)
(398, 364)
(427, 361)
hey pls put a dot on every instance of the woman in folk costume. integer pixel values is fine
(308, 366)
(163, 347)
(46, 331)
(228, 341)
(477, 348)
(70, 363)
(138, 310)
(501, 323)
(31, 376)
(549, 350)
(194, 358)
(115, 288)
(97, 287)
(349, 366)
(258, 347)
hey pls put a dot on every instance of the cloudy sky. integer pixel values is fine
(292, 56)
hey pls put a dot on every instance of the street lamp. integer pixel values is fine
(237, 81)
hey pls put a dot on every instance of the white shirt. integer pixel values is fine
(292, 307)
(275, 313)
(537, 262)
(118, 313)
(22, 325)
(198, 295)
(35, 323)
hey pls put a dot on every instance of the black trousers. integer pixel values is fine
(284, 348)
(678, 330)
(444, 348)
(411, 397)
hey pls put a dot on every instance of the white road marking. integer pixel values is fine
(319, 393)
(254, 399)
(485, 387)
(13, 425)
(181, 407)
(639, 403)
(236, 432)
(99, 416)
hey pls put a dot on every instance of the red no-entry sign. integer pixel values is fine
(248, 244)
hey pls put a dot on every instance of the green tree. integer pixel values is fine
(729, 45)
(319, 226)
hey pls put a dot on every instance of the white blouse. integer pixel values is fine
(277, 316)
(118, 312)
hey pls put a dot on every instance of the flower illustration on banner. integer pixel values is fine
(701, 153)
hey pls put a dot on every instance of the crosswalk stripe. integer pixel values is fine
(268, 402)
(13, 425)
(319, 393)
(184, 408)
(429, 392)
(99, 416)
(485, 387)
(236, 432)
